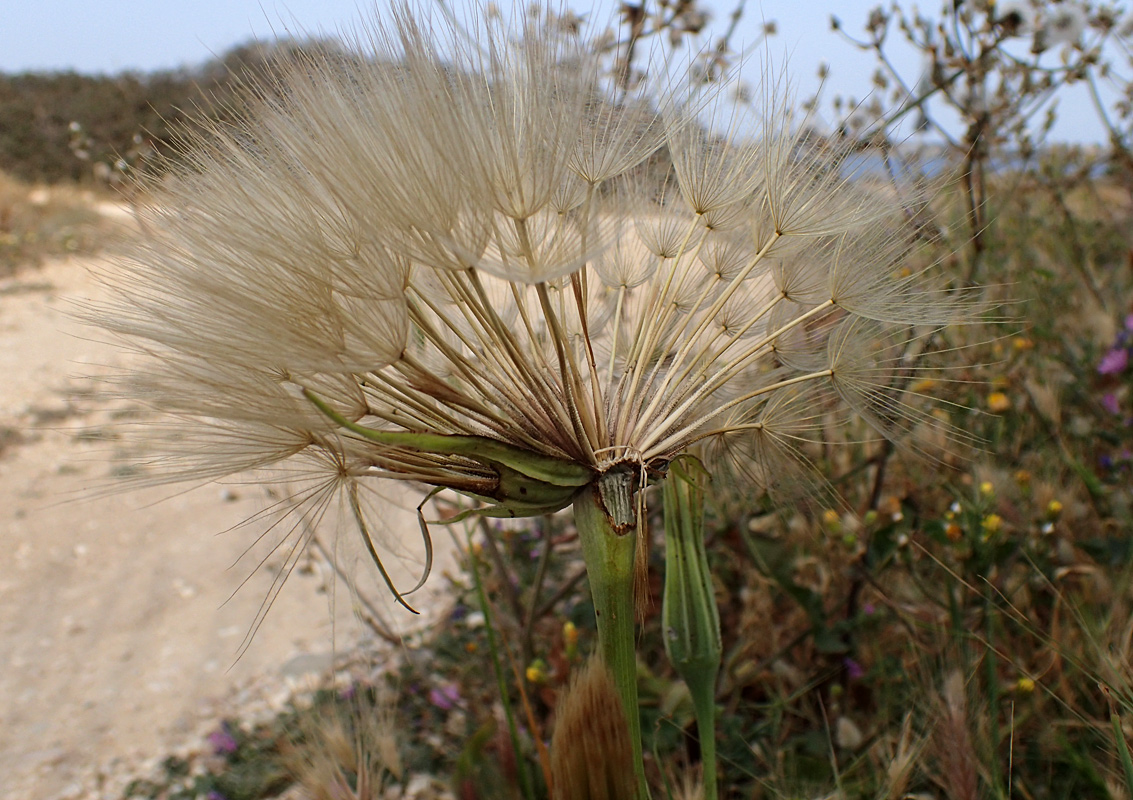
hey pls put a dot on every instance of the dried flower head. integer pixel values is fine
(1063, 24)
(455, 255)
(345, 750)
(591, 757)
(1014, 17)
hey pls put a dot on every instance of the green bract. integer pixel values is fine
(690, 620)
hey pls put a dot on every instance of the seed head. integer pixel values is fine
(464, 256)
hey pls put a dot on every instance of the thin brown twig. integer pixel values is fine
(527, 647)
(564, 590)
(497, 557)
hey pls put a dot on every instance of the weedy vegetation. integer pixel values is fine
(39, 222)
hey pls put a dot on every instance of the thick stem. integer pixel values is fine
(606, 517)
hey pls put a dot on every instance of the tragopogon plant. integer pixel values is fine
(462, 256)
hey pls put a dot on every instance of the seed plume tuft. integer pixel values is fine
(464, 256)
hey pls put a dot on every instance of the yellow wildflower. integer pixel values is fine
(570, 639)
(536, 672)
(998, 402)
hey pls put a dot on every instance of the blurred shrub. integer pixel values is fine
(37, 222)
(70, 127)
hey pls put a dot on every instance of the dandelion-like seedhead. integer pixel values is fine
(1063, 25)
(461, 256)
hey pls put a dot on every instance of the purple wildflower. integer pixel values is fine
(222, 741)
(445, 697)
(853, 669)
(1129, 322)
(1109, 403)
(1113, 362)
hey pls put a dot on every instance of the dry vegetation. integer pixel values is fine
(40, 221)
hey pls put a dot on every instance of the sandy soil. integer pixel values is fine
(117, 635)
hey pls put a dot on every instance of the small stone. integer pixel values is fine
(307, 663)
(847, 734)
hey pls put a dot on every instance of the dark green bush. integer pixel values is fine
(62, 126)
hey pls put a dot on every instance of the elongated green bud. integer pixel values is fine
(690, 620)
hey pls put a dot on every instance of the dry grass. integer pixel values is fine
(39, 221)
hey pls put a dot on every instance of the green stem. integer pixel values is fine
(704, 704)
(1122, 745)
(606, 518)
(501, 681)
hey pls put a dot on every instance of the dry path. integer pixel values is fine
(117, 634)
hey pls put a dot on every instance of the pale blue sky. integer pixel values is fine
(106, 37)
